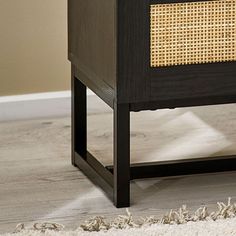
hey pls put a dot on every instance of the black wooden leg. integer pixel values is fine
(79, 118)
(121, 155)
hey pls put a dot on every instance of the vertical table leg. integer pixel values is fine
(79, 117)
(121, 155)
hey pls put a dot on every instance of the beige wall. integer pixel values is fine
(33, 46)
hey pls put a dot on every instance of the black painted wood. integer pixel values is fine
(79, 118)
(109, 44)
(99, 176)
(171, 104)
(193, 81)
(138, 82)
(121, 155)
(119, 182)
(181, 167)
(133, 51)
(73, 130)
(80, 156)
(92, 43)
(105, 92)
(109, 49)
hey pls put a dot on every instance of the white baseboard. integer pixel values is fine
(37, 105)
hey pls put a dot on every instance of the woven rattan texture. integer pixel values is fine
(193, 32)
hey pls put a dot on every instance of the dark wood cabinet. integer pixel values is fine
(145, 55)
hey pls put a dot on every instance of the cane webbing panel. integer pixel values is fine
(193, 32)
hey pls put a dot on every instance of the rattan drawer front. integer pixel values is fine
(192, 33)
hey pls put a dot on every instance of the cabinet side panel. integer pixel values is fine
(92, 40)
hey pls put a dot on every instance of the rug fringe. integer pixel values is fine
(42, 227)
(180, 216)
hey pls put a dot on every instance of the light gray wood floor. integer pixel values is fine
(38, 182)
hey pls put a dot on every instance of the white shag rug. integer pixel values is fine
(225, 227)
(222, 222)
